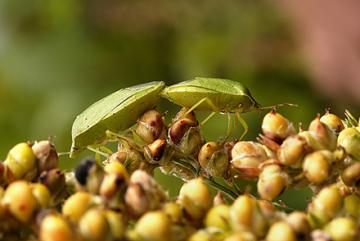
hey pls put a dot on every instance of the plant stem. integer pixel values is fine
(230, 193)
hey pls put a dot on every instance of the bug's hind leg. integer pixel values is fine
(243, 123)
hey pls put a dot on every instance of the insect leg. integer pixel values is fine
(229, 126)
(243, 123)
(98, 152)
(207, 118)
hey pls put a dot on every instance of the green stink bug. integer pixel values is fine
(117, 111)
(212, 94)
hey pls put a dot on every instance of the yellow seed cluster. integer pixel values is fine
(120, 199)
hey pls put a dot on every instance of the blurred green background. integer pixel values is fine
(58, 57)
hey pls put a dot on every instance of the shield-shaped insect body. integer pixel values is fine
(115, 112)
(212, 94)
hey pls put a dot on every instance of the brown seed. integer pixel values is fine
(150, 126)
(46, 155)
(156, 149)
(179, 128)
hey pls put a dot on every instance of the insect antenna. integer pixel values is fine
(273, 107)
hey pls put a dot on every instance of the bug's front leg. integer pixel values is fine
(210, 103)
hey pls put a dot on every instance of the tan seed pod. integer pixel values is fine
(272, 181)
(46, 155)
(245, 215)
(299, 223)
(154, 226)
(292, 150)
(55, 228)
(150, 126)
(352, 205)
(218, 217)
(332, 121)
(246, 158)
(195, 198)
(143, 194)
(213, 159)
(76, 205)
(349, 139)
(276, 127)
(117, 224)
(21, 162)
(155, 150)
(281, 231)
(351, 174)
(325, 206)
(325, 137)
(93, 225)
(342, 229)
(316, 166)
(42, 195)
(20, 200)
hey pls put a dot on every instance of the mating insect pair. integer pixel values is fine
(121, 109)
